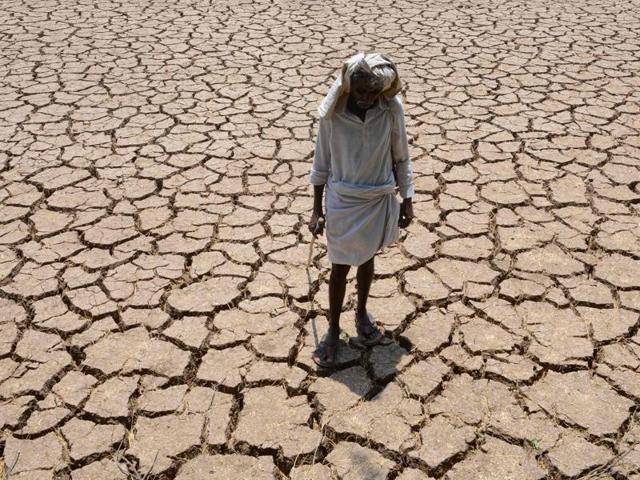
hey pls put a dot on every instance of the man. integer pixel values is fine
(361, 155)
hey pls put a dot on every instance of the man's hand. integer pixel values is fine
(316, 224)
(406, 213)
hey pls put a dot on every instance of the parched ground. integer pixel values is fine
(155, 311)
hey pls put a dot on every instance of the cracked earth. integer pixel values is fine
(156, 312)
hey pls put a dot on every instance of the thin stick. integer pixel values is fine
(313, 320)
(10, 471)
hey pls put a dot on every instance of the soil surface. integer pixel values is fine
(156, 314)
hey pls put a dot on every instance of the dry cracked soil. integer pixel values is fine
(155, 311)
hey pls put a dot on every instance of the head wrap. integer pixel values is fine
(375, 63)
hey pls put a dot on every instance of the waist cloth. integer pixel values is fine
(360, 220)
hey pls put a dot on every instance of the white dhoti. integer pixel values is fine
(361, 219)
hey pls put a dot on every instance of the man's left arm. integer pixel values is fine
(402, 162)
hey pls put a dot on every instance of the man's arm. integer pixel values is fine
(319, 176)
(318, 191)
(402, 162)
(316, 224)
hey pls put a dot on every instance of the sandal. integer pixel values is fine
(369, 334)
(324, 356)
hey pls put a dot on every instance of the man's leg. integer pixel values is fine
(368, 331)
(364, 278)
(337, 286)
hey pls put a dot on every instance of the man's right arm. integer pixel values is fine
(318, 191)
(316, 224)
(319, 175)
(322, 155)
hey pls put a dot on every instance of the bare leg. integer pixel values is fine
(368, 331)
(337, 286)
(364, 277)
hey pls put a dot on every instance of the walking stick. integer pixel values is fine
(311, 245)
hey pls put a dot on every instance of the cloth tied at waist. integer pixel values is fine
(354, 194)
(361, 219)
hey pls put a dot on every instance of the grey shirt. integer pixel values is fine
(361, 153)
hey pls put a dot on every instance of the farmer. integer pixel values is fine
(361, 155)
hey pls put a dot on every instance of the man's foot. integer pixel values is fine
(325, 354)
(368, 332)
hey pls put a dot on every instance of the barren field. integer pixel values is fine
(157, 315)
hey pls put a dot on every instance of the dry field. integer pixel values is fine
(156, 319)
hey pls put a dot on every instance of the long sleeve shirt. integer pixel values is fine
(360, 152)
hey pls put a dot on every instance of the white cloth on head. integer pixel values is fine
(354, 158)
(377, 63)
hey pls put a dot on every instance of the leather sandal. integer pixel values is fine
(325, 355)
(369, 334)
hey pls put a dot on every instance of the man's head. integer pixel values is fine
(369, 75)
(366, 87)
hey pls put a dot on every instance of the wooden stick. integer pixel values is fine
(309, 258)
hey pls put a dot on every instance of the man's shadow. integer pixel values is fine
(360, 400)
